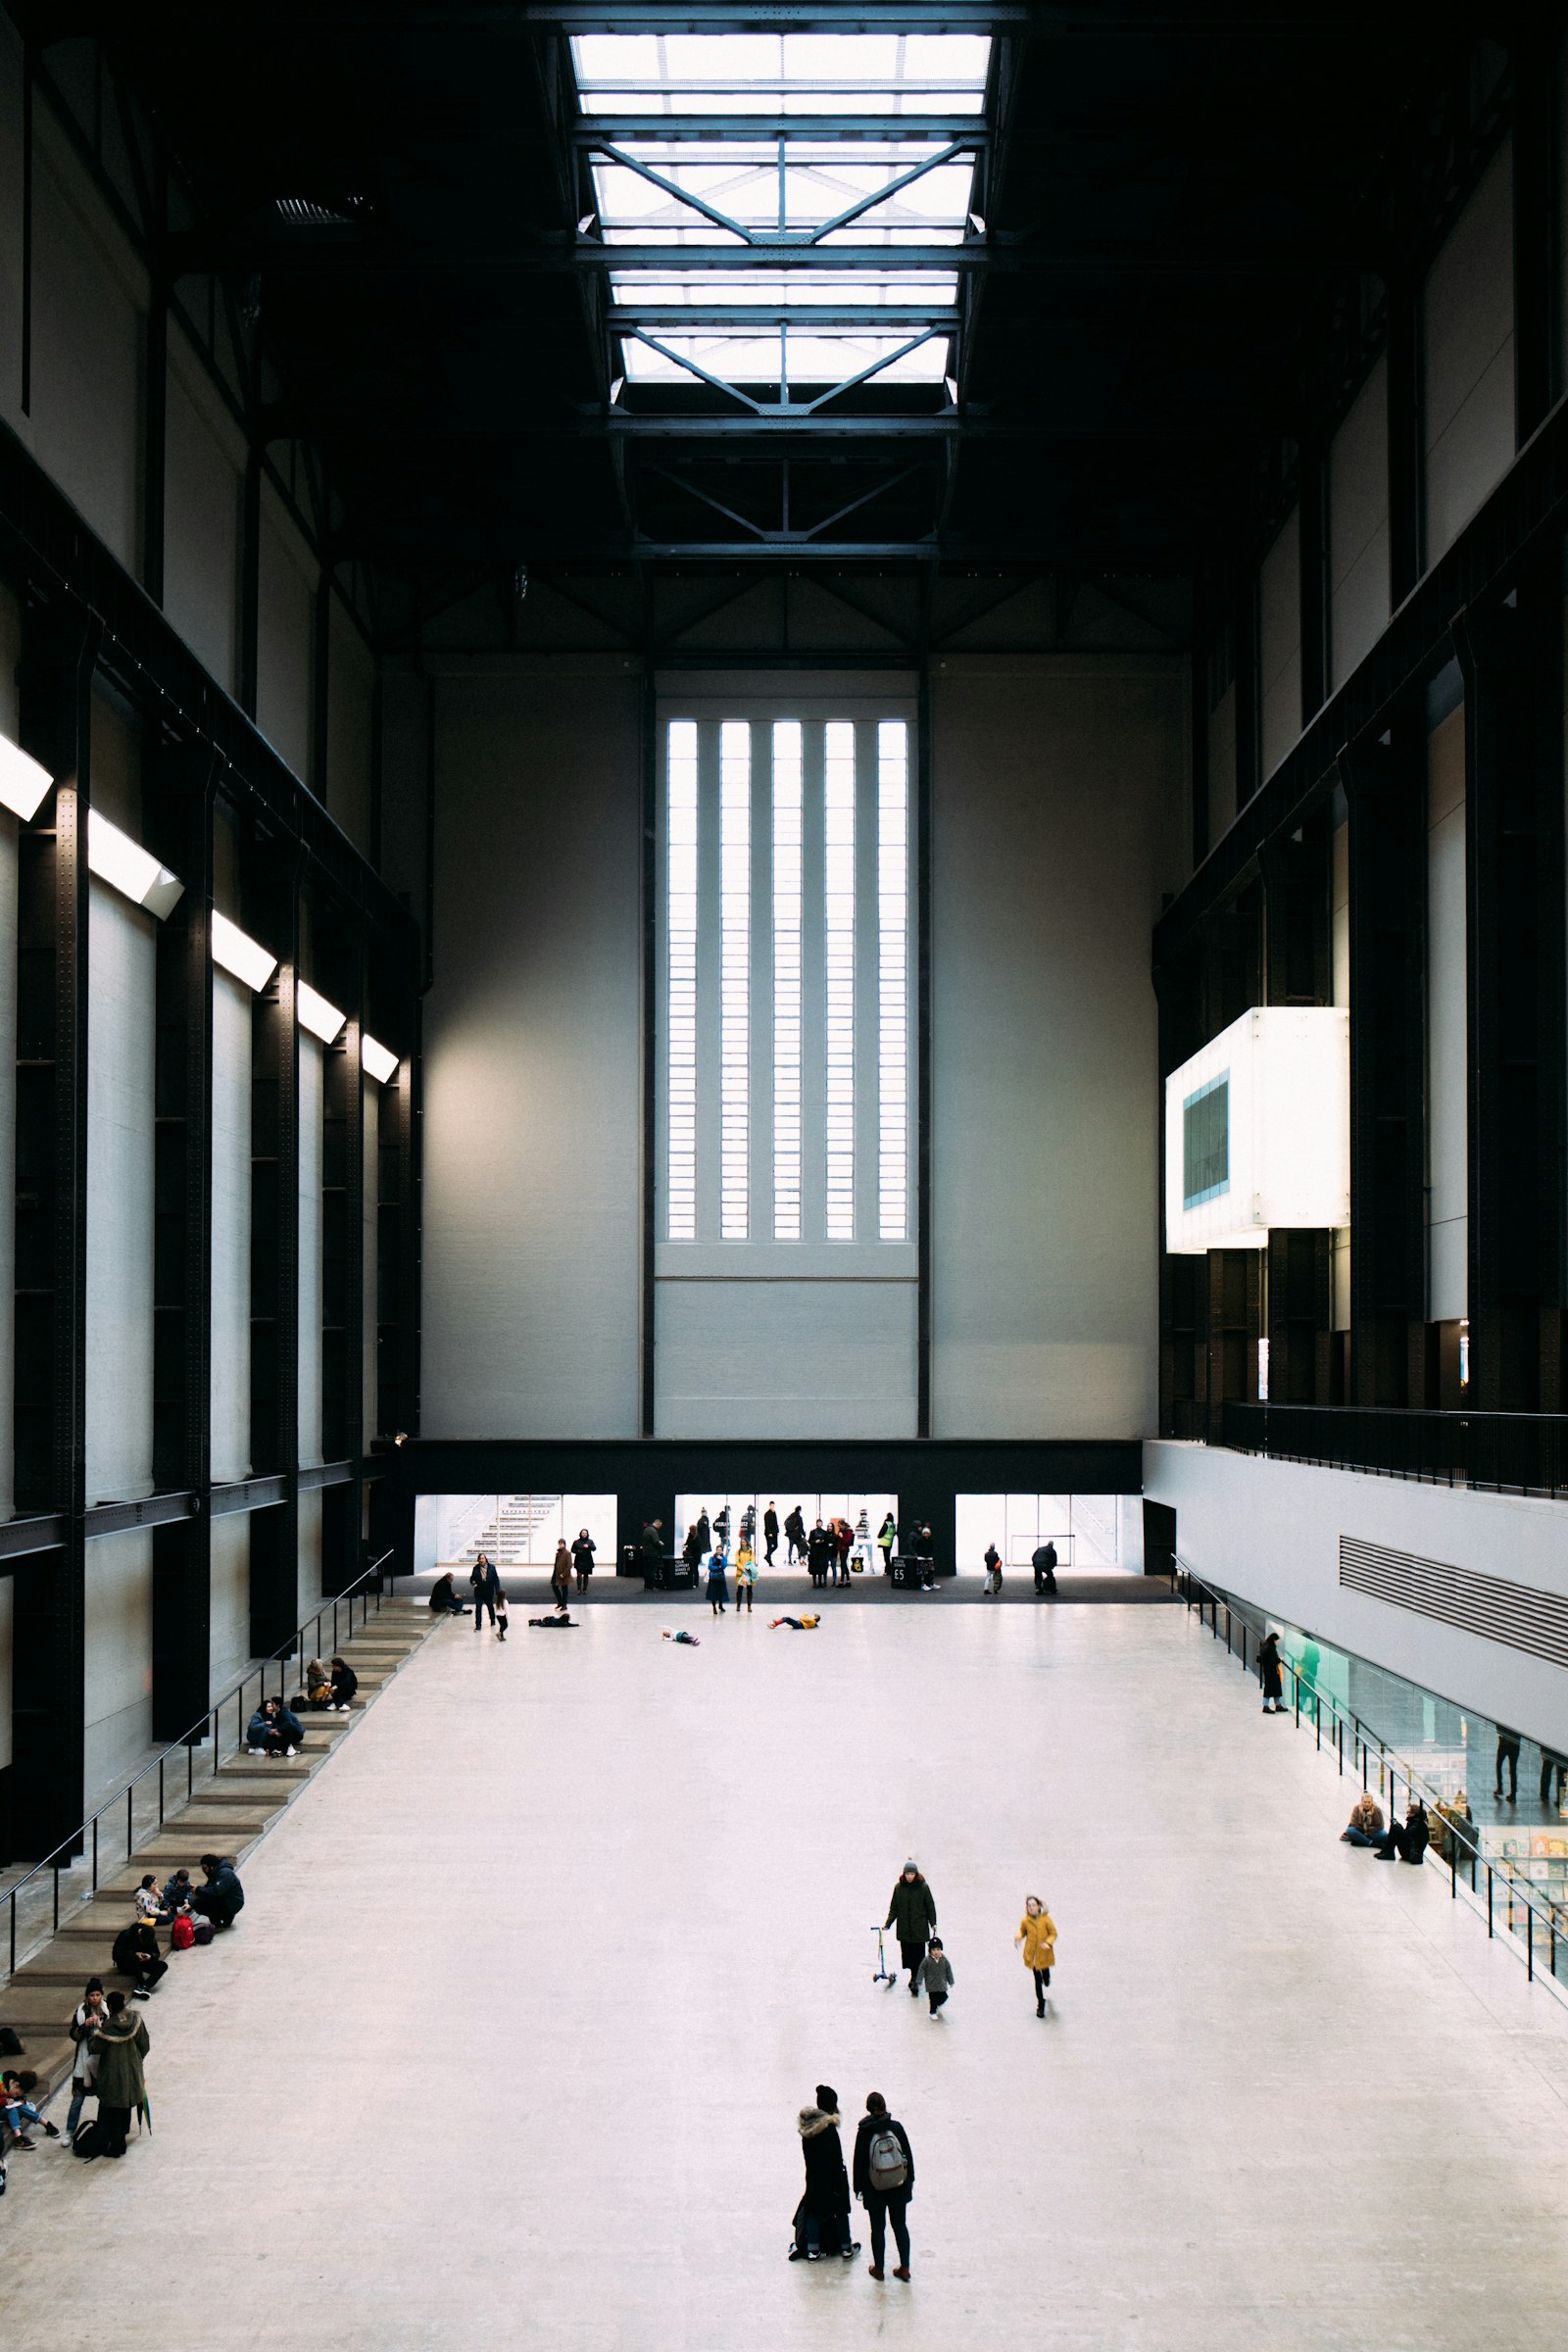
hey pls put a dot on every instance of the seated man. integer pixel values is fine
(136, 1955)
(345, 1682)
(274, 1729)
(1366, 1825)
(178, 1893)
(222, 1896)
(444, 1597)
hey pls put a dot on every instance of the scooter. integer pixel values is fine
(883, 1975)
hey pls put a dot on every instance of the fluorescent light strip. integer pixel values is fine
(129, 869)
(239, 954)
(321, 1019)
(23, 782)
(376, 1059)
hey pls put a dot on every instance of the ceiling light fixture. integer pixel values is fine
(239, 954)
(376, 1059)
(23, 782)
(321, 1019)
(129, 869)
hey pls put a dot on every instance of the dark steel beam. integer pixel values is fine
(600, 131)
(1208, 429)
(347, 257)
(699, 318)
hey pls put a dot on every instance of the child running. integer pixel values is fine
(1037, 1933)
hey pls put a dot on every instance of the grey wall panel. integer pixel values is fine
(121, 951)
(9, 221)
(1448, 1028)
(89, 295)
(1059, 793)
(1468, 381)
(119, 1657)
(533, 1068)
(351, 679)
(1358, 526)
(310, 1551)
(786, 1359)
(283, 635)
(1280, 642)
(205, 463)
(231, 1229)
(1221, 764)
(10, 650)
(312, 1139)
(229, 1626)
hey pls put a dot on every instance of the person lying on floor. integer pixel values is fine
(797, 1625)
(690, 1639)
(553, 1621)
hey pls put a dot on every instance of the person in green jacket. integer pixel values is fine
(911, 1915)
(120, 2045)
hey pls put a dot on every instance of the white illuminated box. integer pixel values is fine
(1257, 1130)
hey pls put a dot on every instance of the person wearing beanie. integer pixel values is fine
(824, 2206)
(911, 1915)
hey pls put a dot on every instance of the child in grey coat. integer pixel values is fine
(935, 1974)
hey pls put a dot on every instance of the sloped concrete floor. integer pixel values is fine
(508, 2048)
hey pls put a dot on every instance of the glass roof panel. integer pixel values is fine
(811, 358)
(918, 289)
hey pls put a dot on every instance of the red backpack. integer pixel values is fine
(182, 1935)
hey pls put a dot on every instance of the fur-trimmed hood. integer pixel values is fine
(812, 2119)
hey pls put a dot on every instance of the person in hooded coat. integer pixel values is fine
(795, 1533)
(912, 1917)
(561, 1575)
(824, 2208)
(1271, 1674)
(120, 2045)
(221, 1898)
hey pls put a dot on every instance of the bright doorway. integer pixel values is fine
(1103, 1533)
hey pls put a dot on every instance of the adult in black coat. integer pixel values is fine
(912, 1917)
(1044, 1564)
(487, 1585)
(444, 1599)
(656, 1566)
(705, 1535)
(818, 1551)
(884, 2201)
(221, 1898)
(345, 1682)
(770, 1534)
(136, 1955)
(824, 2208)
(1271, 1674)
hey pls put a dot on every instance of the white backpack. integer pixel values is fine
(886, 2169)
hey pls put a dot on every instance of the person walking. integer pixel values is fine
(935, 1976)
(824, 2207)
(486, 1589)
(887, 1535)
(120, 2045)
(690, 1553)
(843, 1545)
(1271, 1674)
(883, 2178)
(745, 1578)
(85, 2021)
(1037, 1933)
(794, 1531)
(770, 1534)
(911, 1915)
(717, 1590)
(1551, 1762)
(1507, 1756)
(561, 1575)
(993, 1569)
(582, 1554)
(1044, 1564)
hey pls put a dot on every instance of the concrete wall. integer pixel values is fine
(119, 1620)
(121, 951)
(231, 1227)
(1279, 607)
(533, 1070)
(1059, 814)
(351, 686)
(286, 602)
(1358, 527)
(1468, 393)
(229, 1623)
(312, 1142)
(1270, 1531)
(1448, 1028)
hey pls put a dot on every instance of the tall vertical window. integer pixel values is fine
(735, 978)
(893, 978)
(681, 924)
(838, 908)
(787, 886)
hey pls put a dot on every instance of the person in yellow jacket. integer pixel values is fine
(1037, 1933)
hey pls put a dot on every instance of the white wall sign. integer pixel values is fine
(1257, 1130)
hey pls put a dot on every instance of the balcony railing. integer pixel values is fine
(1507, 1453)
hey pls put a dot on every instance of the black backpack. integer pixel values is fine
(87, 2141)
(10, 2043)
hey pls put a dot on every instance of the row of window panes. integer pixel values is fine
(838, 833)
(893, 936)
(681, 885)
(735, 977)
(787, 914)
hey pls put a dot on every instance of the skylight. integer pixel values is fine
(721, 154)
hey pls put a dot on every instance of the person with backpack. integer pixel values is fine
(825, 2204)
(120, 2045)
(883, 2178)
(486, 1588)
(1044, 1564)
(86, 2019)
(1036, 1934)
(993, 1582)
(911, 1915)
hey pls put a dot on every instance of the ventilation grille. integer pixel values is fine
(1521, 1616)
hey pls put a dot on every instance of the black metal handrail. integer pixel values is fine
(84, 1843)
(1525, 1453)
(1521, 1897)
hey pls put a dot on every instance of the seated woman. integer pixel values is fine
(318, 1692)
(153, 1902)
(274, 1730)
(1409, 1844)
(136, 1955)
(444, 1597)
(1366, 1825)
(345, 1682)
(221, 1897)
(16, 2110)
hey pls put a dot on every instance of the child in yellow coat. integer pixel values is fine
(1037, 1933)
